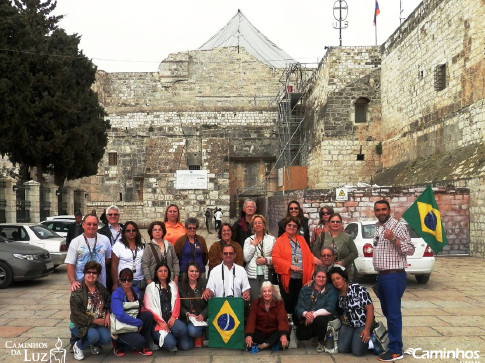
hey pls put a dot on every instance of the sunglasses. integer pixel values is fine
(131, 231)
(294, 208)
(91, 272)
(228, 253)
(126, 280)
(325, 213)
(113, 214)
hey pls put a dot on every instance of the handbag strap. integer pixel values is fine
(155, 253)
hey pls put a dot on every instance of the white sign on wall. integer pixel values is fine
(341, 194)
(191, 179)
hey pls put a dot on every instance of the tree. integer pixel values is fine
(50, 117)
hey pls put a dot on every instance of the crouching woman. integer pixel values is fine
(139, 340)
(357, 313)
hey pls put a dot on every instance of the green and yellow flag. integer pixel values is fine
(226, 322)
(424, 217)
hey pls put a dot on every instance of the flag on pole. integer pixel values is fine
(376, 12)
(424, 217)
(226, 322)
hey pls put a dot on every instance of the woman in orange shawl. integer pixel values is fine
(293, 261)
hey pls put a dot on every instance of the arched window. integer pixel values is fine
(361, 108)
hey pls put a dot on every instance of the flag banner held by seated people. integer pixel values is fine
(424, 217)
(226, 322)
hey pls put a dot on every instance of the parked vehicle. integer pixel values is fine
(37, 235)
(22, 262)
(420, 264)
(61, 227)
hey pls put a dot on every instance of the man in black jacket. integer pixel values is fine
(112, 230)
(75, 229)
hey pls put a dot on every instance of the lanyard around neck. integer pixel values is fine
(233, 279)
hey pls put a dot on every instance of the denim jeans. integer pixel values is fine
(96, 335)
(178, 334)
(137, 340)
(194, 331)
(349, 341)
(391, 287)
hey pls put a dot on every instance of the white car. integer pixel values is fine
(420, 264)
(61, 226)
(37, 235)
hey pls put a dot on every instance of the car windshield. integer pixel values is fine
(368, 230)
(43, 233)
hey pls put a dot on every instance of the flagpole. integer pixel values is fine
(375, 31)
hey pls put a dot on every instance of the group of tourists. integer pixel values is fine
(154, 295)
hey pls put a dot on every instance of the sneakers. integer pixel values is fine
(78, 353)
(320, 348)
(144, 351)
(118, 352)
(390, 357)
(198, 342)
(95, 350)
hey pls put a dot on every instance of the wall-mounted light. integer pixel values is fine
(58, 192)
(15, 188)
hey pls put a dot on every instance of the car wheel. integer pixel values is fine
(6, 275)
(422, 279)
(356, 276)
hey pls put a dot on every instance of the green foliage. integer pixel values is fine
(50, 118)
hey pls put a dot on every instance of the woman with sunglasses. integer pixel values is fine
(324, 225)
(294, 210)
(127, 253)
(293, 262)
(90, 313)
(139, 340)
(191, 246)
(159, 250)
(163, 301)
(193, 309)
(341, 242)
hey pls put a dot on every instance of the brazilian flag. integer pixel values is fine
(226, 322)
(424, 217)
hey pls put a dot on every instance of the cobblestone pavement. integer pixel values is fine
(447, 314)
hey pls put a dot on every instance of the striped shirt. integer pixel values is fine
(386, 255)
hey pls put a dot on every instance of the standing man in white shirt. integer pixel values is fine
(228, 279)
(112, 230)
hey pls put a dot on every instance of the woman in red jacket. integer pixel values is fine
(267, 323)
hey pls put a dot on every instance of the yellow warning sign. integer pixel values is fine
(341, 194)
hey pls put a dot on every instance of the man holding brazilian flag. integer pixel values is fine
(424, 217)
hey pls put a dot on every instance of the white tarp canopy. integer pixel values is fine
(239, 32)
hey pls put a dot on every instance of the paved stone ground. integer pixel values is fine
(448, 312)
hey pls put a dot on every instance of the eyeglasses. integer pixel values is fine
(131, 231)
(126, 280)
(228, 253)
(91, 224)
(91, 273)
(113, 214)
(294, 208)
(192, 228)
(292, 226)
(162, 271)
(337, 222)
(326, 255)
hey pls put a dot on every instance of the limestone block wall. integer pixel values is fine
(453, 202)
(419, 120)
(332, 138)
(218, 79)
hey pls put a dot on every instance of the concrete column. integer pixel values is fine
(9, 197)
(68, 198)
(84, 196)
(32, 195)
(52, 197)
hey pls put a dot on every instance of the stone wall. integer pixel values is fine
(332, 138)
(453, 203)
(418, 119)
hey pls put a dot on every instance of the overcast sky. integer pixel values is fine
(136, 35)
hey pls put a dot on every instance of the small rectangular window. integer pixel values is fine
(194, 167)
(440, 77)
(112, 159)
(360, 112)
